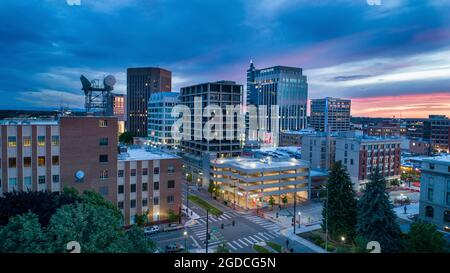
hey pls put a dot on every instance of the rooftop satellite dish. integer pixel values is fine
(109, 81)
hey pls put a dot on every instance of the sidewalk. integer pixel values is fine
(289, 233)
(411, 210)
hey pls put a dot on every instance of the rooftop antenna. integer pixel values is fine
(98, 98)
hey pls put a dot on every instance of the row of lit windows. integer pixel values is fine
(27, 181)
(121, 173)
(121, 188)
(12, 141)
(170, 200)
(41, 161)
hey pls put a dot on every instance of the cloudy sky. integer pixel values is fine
(392, 59)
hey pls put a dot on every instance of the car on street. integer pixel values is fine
(174, 248)
(151, 230)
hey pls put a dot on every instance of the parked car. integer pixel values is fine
(174, 248)
(151, 230)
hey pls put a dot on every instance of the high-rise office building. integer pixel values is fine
(141, 84)
(198, 150)
(160, 120)
(330, 113)
(284, 86)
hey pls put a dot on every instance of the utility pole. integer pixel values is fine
(295, 206)
(207, 231)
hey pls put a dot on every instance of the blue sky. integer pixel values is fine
(346, 47)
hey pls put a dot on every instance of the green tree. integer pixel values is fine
(133, 241)
(284, 199)
(126, 138)
(376, 217)
(222, 249)
(211, 188)
(23, 234)
(94, 198)
(41, 203)
(271, 201)
(340, 208)
(140, 220)
(172, 215)
(424, 238)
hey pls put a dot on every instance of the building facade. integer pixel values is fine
(250, 183)
(149, 183)
(330, 113)
(383, 129)
(30, 156)
(120, 111)
(320, 150)
(362, 154)
(141, 84)
(81, 153)
(435, 192)
(160, 120)
(284, 86)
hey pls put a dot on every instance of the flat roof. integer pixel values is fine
(255, 164)
(28, 122)
(445, 159)
(144, 154)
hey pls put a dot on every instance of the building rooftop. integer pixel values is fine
(257, 165)
(300, 132)
(144, 154)
(28, 122)
(442, 159)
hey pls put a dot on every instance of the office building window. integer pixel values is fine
(55, 140)
(120, 189)
(12, 162)
(429, 211)
(156, 186)
(120, 173)
(12, 141)
(132, 203)
(120, 204)
(103, 123)
(170, 199)
(171, 184)
(103, 141)
(155, 200)
(144, 202)
(27, 141)
(55, 178)
(27, 162)
(133, 172)
(430, 194)
(171, 169)
(156, 170)
(41, 161)
(133, 187)
(447, 216)
(144, 186)
(103, 159)
(55, 160)
(41, 179)
(41, 140)
(144, 171)
(12, 182)
(27, 182)
(431, 165)
(104, 174)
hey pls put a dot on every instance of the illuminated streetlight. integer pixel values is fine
(343, 239)
(185, 240)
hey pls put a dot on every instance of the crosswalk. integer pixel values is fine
(247, 241)
(225, 216)
(262, 222)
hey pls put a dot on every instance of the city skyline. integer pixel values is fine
(389, 64)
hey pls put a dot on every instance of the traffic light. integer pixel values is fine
(233, 223)
(208, 236)
(277, 214)
(222, 226)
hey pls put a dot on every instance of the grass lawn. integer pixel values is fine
(260, 249)
(207, 206)
(317, 237)
(278, 248)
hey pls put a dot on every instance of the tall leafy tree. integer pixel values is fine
(41, 203)
(424, 238)
(376, 217)
(339, 209)
(23, 234)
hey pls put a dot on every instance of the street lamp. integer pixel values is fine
(299, 219)
(157, 215)
(343, 239)
(185, 240)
